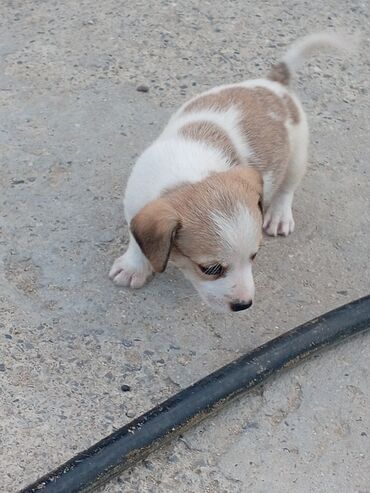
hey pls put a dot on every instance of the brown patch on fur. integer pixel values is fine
(180, 224)
(212, 134)
(292, 109)
(280, 73)
(263, 117)
(154, 229)
(195, 204)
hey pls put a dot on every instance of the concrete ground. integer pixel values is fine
(71, 126)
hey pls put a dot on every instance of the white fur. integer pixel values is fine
(305, 47)
(278, 218)
(268, 187)
(237, 285)
(131, 269)
(239, 232)
(165, 164)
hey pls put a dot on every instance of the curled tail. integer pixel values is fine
(302, 49)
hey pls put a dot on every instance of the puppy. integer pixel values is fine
(224, 169)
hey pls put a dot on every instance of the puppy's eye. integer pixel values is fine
(253, 256)
(215, 270)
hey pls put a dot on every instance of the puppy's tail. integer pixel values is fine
(300, 50)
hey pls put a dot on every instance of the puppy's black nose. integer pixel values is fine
(237, 306)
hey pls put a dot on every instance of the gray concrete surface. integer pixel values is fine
(71, 125)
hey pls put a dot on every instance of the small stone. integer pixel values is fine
(2, 367)
(142, 88)
(130, 413)
(174, 347)
(149, 465)
(109, 376)
(127, 343)
(125, 388)
(201, 463)
(16, 181)
(133, 360)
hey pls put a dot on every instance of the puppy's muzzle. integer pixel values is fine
(237, 306)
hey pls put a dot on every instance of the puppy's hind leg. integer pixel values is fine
(131, 269)
(278, 218)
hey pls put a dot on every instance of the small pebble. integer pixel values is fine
(142, 88)
(149, 465)
(125, 388)
(130, 413)
(127, 343)
(2, 367)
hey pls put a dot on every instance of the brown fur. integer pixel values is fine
(212, 134)
(180, 224)
(196, 202)
(280, 73)
(263, 118)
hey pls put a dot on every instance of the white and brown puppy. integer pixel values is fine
(225, 168)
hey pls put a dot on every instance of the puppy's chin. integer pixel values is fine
(217, 305)
(218, 308)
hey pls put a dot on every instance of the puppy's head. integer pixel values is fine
(212, 231)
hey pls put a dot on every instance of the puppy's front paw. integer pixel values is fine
(278, 221)
(130, 273)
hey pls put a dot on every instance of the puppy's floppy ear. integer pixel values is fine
(154, 228)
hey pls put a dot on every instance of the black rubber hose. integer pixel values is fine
(133, 442)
